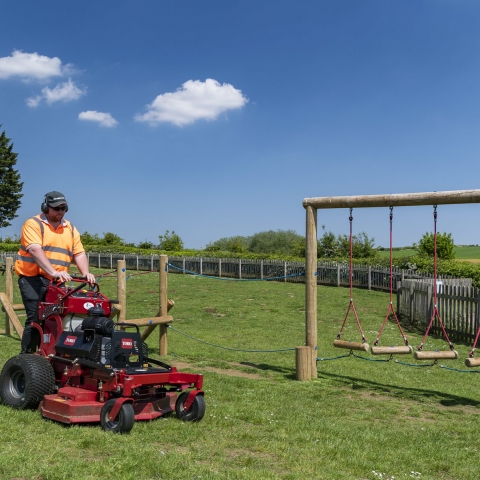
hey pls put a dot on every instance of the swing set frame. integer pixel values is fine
(307, 355)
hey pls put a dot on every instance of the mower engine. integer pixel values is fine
(99, 369)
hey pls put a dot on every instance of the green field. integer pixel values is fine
(361, 419)
(461, 253)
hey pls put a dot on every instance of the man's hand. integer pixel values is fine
(62, 276)
(90, 278)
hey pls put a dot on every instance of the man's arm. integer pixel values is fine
(43, 262)
(82, 263)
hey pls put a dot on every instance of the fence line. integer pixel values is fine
(458, 306)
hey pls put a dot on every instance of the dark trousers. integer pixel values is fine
(33, 290)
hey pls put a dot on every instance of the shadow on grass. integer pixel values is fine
(415, 394)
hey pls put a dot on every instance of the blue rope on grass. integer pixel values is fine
(228, 348)
(237, 279)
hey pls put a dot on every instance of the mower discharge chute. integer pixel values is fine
(89, 369)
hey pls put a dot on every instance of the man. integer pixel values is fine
(49, 245)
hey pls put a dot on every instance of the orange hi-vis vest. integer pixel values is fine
(60, 245)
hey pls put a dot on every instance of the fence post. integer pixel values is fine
(261, 269)
(162, 346)
(122, 289)
(399, 294)
(240, 268)
(219, 267)
(151, 263)
(369, 281)
(285, 272)
(98, 260)
(137, 263)
(412, 296)
(338, 275)
(8, 289)
(201, 266)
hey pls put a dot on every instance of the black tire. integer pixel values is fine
(197, 409)
(25, 379)
(124, 421)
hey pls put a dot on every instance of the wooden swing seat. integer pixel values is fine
(472, 362)
(436, 355)
(351, 345)
(401, 350)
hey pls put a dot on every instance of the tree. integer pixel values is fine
(170, 242)
(10, 184)
(445, 246)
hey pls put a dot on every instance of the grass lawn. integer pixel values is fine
(471, 253)
(360, 419)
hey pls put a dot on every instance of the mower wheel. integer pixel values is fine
(25, 379)
(124, 421)
(197, 409)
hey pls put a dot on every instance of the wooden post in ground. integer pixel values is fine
(8, 289)
(122, 289)
(163, 346)
(311, 287)
(303, 357)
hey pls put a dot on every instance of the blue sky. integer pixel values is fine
(218, 118)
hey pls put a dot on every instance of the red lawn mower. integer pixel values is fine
(90, 369)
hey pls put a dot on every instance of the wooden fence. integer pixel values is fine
(457, 302)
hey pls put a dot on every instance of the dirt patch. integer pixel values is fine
(222, 371)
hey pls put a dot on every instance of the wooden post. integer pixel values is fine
(240, 268)
(261, 269)
(8, 289)
(311, 287)
(285, 272)
(303, 360)
(201, 266)
(219, 267)
(369, 281)
(122, 289)
(163, 346)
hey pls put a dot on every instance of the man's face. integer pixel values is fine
(55, 214)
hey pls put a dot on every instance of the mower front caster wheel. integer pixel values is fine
(196, 411)
(123, 422)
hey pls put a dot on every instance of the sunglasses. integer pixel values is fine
(59, 209)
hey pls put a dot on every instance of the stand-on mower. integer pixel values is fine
(89, 369)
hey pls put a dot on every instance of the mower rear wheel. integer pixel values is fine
(123, 422)
(25, 379)
(196, 411)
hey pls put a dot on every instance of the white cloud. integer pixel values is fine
(64, 92)
(103, 119)
(30, 66)
(195, 100)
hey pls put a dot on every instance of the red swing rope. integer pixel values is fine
(435, 308)
(351, 305)
(390, 306)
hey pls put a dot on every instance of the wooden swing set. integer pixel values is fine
(306, 356)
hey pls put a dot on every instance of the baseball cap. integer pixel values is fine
(54, 199)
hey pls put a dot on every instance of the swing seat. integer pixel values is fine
(472, 362)
(436, 355)
(402, 350)
(351, 345)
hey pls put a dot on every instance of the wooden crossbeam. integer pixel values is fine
(11, 313)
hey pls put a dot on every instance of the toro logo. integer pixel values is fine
(70, 340)
(127, 343)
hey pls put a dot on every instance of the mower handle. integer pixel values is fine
(76, 289)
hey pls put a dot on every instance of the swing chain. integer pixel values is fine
(351, 217)
(391, 214)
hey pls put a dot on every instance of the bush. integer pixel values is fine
(170, 242)
(445, 246)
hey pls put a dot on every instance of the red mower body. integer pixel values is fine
(90, 369)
